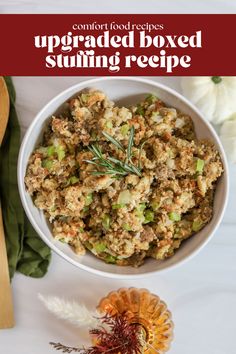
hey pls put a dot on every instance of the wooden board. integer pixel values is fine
(6, 306)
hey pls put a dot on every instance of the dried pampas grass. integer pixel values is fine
(71, 311)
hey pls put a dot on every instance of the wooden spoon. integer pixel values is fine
(6, 305)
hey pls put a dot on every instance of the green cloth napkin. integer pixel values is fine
(27, 253)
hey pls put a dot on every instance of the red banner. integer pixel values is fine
(95, 45)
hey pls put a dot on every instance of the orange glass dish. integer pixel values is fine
(145, 310)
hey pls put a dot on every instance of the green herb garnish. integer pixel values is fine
(111, 165)
(151, 98)
(140, 110)
(113, 141)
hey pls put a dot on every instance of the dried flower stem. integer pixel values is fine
(71, 311)
(115, 334)
(65, 349)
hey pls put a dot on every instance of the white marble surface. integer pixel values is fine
(201, 294)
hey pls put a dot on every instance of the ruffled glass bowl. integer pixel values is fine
(145, 310)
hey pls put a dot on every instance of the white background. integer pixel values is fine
(118, 6)
(201, 294)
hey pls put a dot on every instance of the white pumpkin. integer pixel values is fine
(215, 96)
(228, 137)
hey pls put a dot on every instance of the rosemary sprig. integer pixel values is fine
(140, 153)
(113, 141)
(130, 143)
(112, 165)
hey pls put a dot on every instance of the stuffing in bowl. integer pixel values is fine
(124, 183)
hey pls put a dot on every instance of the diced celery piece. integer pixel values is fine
(139, 211)
(149, 216)
(88, 199)
(124, 197)
(200, 165)
(85, 209)
(154, 205)
(106, 222)
(60, 152)
(118, 206)
(73, 180)
(84, 97)
(47, 164)
(127, 227)
(141, 206)
(124, 129)
(174, 216)
(50, 150)
(100, 247)
(196, 226)
(81, 229)
(110, 259)
(109, 124)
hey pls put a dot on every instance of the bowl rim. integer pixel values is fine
(22, 191)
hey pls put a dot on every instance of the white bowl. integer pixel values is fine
(123, 90)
